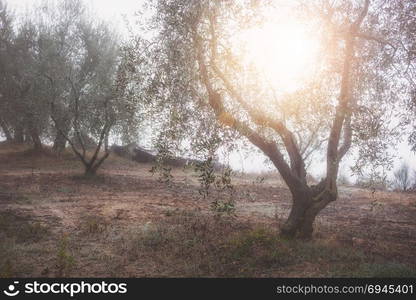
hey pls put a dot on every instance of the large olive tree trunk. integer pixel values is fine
(307, 203)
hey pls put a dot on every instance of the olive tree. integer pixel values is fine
(80, 68)
(349, 102)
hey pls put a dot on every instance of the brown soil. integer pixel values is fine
(48, 191)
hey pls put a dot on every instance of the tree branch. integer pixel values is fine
(333, 158)
(379, 40)
(81, 156)
(270, 149)
(261, 119)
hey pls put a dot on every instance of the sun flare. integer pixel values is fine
(285, 53)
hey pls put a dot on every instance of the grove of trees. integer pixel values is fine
(68, 79)
(61, 79)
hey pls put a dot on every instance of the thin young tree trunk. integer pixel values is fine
(34, 135)
(19, 136)
(6, 130)
(60, 141)
(92, 167)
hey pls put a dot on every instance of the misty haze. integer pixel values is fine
(172, 138)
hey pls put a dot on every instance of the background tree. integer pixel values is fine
(62, 80)
(80, 67)
(403, 178)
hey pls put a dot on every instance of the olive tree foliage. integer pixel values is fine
(166, 101)
(399, 36)
(406, 20)
(64, 62)
(347, 103)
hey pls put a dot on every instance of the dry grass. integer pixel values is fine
(124, 223)
(193, 245)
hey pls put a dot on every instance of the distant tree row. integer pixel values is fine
(61, 79)
(404, 178)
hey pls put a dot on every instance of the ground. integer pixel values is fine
(126, 223)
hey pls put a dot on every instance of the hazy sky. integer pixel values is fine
(114, 10)
(110, 10)
(105, 8)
